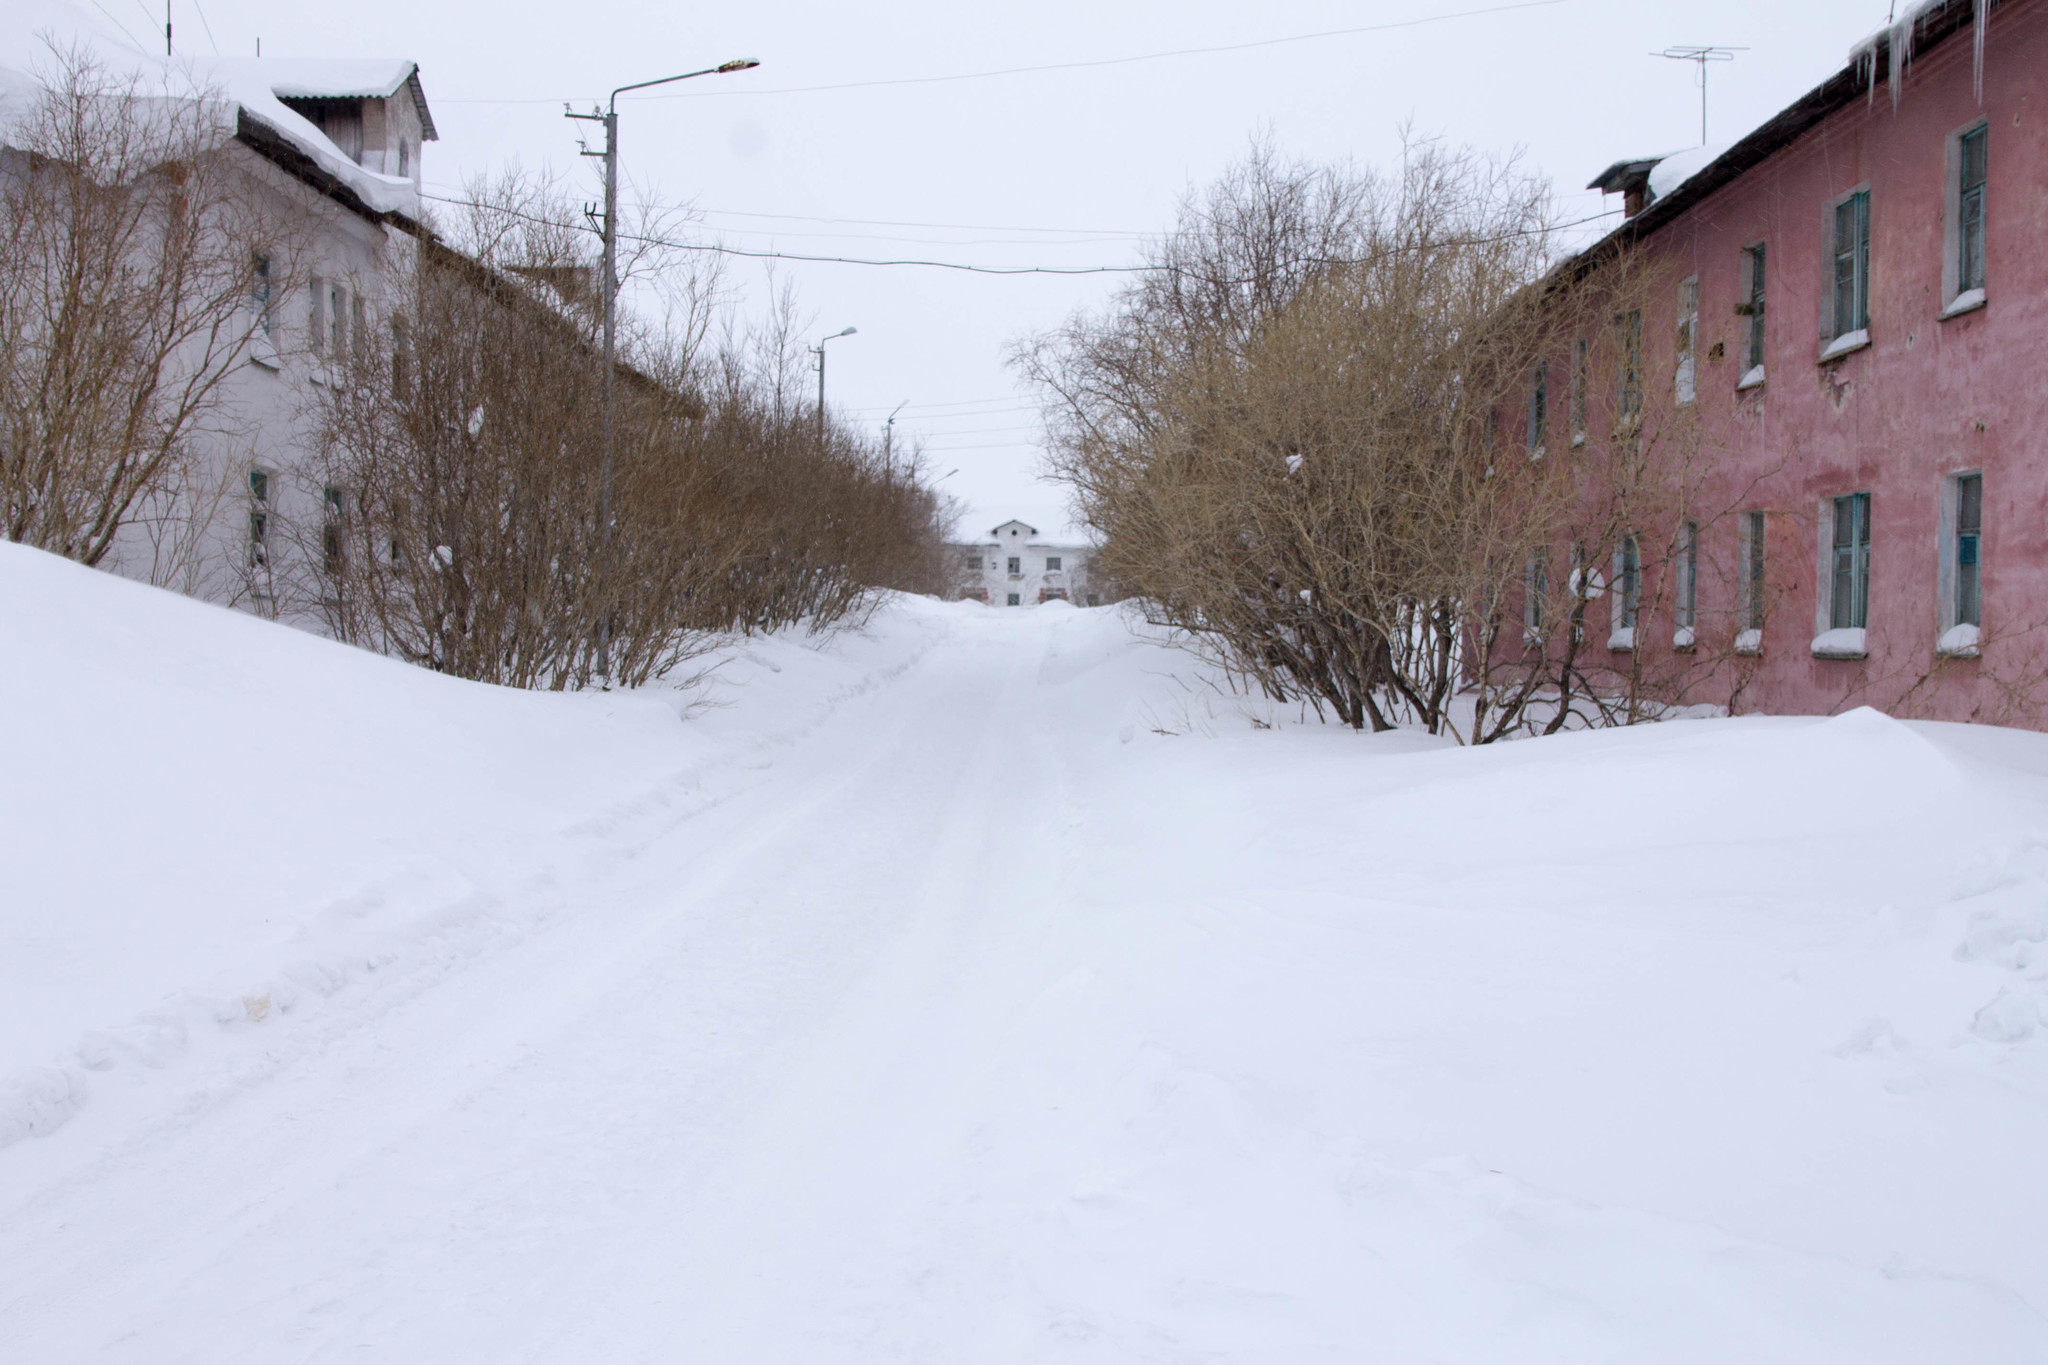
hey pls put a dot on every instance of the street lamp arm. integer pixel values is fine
(742, 64)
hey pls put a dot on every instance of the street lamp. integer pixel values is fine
(608, 287)
(819, 351)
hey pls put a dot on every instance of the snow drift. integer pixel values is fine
(989, 986)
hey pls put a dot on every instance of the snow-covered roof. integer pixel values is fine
(1700, 170)
(996, 531)
(233, 87)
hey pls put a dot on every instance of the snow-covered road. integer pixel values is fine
(924, 1002)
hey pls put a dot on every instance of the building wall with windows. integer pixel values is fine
(1850, 320)
(1015, 568)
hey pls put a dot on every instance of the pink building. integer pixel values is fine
(1856, 325)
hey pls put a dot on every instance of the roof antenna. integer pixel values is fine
(1700, 56)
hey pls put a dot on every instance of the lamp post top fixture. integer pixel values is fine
(847, 333)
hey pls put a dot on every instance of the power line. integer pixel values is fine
(1081, 66)
(963, 267)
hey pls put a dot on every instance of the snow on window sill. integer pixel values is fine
(1578, 438)
(1536, 453)
(1623, 640)
(263, 352)
(1969, 301)
(1682, 638)
(1960, 642)
(1845, 643)
(1750, 642)
(1752, 378)
(1845, 343)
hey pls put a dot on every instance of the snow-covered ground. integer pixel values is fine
(920, 1001)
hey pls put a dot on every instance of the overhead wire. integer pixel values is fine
(1095, 63)
(962, 266)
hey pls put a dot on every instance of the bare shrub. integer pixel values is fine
(137, 271)
(463, 453)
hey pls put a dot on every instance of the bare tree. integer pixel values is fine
(136, 273)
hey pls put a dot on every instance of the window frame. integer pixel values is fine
(1539, 404)
(1837, 339)
(1960, 584)
(1577, 400)
(1535, 586)
(1754, 308)
(1753, 547)
(1958, 293)
(1628, 368)
(1685, 371)
(1625, 610)
(1830, 612)
(1685, 586)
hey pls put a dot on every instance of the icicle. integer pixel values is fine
(1983, 17)
(1901, 46)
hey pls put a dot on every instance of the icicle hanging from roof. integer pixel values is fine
(1983, 17)
(1898, 40)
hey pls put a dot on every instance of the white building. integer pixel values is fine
(1014, 568)
(330, 152)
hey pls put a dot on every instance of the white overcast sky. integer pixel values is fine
(1066, 167)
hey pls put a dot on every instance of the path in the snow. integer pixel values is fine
(976, 1022)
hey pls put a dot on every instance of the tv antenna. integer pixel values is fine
(1700, 56)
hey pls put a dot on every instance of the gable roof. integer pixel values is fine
(998, 530)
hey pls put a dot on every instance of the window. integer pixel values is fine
(974, 561)
(1685, 587)
(1015, 600)
(1538, 401)
(358, 334)
(1753, 309)
(1629, 369)
(404, 157)
(401, 358)
(316, 316)
(337, 317)
(333, 506)
(259, 293)
(1628, 583)
(1969, 539)
(1849, 597)
(1753, 572)
(259, 518)
(1016, 565)
(1687, 372)
(1970, 211)
(1578, 394)
(1534, 586)
(1852, 265)
(1052, 563)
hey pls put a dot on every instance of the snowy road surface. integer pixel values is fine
(922, 1002)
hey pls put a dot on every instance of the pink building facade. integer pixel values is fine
(1851, 313)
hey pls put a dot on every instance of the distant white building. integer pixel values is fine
(1014, 568)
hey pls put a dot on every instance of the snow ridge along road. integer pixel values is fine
(920, 1000)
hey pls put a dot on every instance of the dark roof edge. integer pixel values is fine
(1859, 77)
(273, 146)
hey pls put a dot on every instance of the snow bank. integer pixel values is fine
(206, 818)
(993, 986)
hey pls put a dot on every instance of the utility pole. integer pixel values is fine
(608, 288)
(819, 351)
(889, 434)
(1700, 56)
(167, 28)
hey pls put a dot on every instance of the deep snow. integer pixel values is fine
(917, 999)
